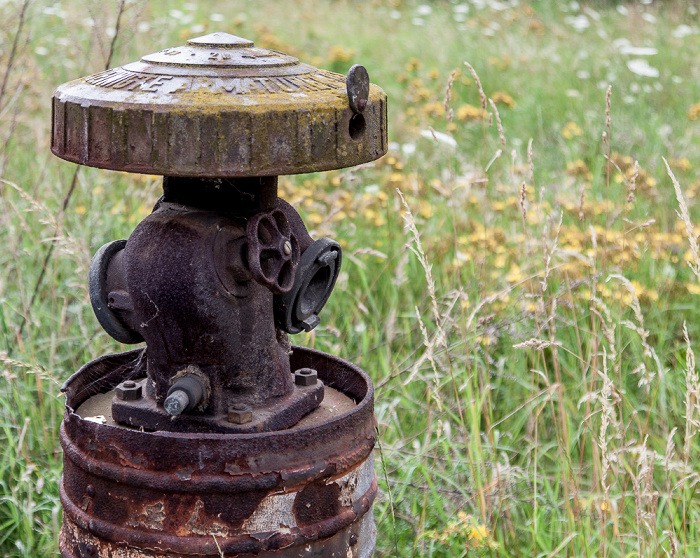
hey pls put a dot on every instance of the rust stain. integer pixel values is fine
(196, 526)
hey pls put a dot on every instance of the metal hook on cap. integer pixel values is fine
(357, 84)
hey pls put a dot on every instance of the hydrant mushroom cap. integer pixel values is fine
(218, 107)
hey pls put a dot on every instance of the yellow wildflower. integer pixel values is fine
(503, 98)
(682, 164)
(470, 112)
(339, 53)
(579, 168)
(571, 130)
(413, 65)
(434, 109)
(693, 288)
(477, 535)
(694, 111)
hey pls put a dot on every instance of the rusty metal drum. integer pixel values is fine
(303, 491)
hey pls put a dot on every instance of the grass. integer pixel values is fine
(522, 298)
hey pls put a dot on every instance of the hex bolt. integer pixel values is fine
(305, 377)
(287, 247)
(129, 391)
(239, 413)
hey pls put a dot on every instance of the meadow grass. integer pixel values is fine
(520, 274)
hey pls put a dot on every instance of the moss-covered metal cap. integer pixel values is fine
(219, 107)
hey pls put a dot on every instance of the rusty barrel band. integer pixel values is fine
(76, 542)
(246, 543)
(225, 482)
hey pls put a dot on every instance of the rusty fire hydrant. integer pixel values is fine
(219, 437)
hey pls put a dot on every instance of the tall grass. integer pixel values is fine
(517, 279)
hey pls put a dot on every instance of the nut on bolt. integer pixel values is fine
(129, 391)
(305, 377)
(240, 413)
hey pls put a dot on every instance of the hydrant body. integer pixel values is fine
(219, 437)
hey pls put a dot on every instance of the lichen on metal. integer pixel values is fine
(216, 107)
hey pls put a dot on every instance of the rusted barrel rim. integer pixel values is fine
(264, 461)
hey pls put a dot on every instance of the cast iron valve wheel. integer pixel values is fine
(273, 251)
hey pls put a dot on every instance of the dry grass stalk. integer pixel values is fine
(685, 217)
(430, 352)
(117, 26)
(668, 458)
(495, 157)
(537, 344)
(218, 548)
(672, 543)
(482, 95)
(634, 304)
(632, 185)
(607, 416)
(523, 199)
(13, 51)
(433, 394)
(594, 237)
(646, 376)
(483, 302)
(417, 248)
(581, 200)
(499, 124)
(549, 252)
(601, 310)
(448, 97)
(692, 396)
(646, 499)
(608, 104)
(530, 163)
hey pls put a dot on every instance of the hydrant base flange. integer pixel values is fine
(145, 413)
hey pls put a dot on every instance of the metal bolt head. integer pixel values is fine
(129, 391)
(240, 413)
(305, 377)
(176, 403)
(287, 247)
